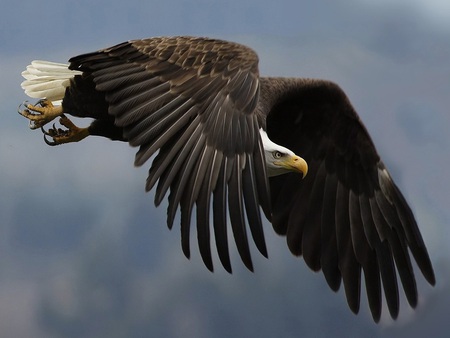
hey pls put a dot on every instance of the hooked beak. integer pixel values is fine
(295, 163)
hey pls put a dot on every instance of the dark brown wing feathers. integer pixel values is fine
(347, 213)
(191, 102)
(197, 104)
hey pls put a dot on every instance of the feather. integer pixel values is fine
(220, 216)
(47, 80)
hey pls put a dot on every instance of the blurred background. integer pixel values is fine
(83, 252)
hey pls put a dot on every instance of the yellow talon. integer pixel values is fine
(41, 113)
(60, 136)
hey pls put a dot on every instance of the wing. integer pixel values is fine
(347, 213)
(191, 101)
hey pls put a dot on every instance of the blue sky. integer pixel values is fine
(83, 252)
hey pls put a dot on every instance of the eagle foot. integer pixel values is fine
(60, 136)
(40, 113)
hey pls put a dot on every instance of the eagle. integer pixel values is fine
(224, 145)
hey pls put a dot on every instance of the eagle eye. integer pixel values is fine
(277, 154)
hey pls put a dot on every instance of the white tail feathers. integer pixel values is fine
(47, 80)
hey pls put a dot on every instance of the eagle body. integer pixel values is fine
(225, 141)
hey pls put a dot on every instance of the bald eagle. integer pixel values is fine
(225, 142)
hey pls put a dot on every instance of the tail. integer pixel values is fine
(47, 80)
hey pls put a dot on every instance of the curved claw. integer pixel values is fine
(45, 132)
(50, 143)
(51, 133)
(24, 104)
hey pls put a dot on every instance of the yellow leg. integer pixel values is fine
(41, 113)
(60, 136)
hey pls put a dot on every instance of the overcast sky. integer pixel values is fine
(83, 252)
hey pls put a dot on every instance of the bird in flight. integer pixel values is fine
(224, 144)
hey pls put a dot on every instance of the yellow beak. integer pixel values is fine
(295, 163)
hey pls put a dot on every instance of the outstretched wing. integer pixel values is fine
(192, 102)
(347, 213)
